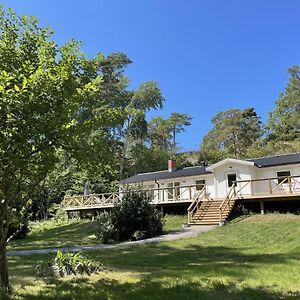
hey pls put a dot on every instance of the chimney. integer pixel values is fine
(171, 165)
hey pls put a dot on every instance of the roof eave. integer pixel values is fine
(229, 160)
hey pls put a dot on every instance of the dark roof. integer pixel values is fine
(261, 162)
(191, 171)
(277, 160)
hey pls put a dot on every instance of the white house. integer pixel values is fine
(210, 192)
(273, 175)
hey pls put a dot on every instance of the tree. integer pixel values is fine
(147, 97)
(159, 133)
(177, 123)
(284, 120)
(50, 100)
(233, 133)
(162, 132)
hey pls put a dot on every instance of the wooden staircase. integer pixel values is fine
(205, 211)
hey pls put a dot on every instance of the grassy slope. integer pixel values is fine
(257, 258)
(50, 234)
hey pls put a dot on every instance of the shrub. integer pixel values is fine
(133, 219)
(62, 264)
(105, 229)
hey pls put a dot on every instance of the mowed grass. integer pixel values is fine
(174, 222)
(53, 234)
(256, 258)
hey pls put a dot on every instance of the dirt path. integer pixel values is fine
(185, 233)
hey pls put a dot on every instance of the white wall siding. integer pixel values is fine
(217, 182)
(243, 172)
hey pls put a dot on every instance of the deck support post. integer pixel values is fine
(162, 209)
(262, 207)
(80, 215)
(94, 215)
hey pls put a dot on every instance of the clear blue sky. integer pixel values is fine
(207, 56)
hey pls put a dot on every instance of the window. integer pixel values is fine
(230, 179)
(283, 175)
(200, 184)
(174, 190)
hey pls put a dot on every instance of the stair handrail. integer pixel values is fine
(225, 203)
(196, 202)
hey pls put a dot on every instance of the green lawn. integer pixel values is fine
(256, 258)
(51, 234)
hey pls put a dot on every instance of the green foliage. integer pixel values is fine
(106, 230)
(162, 132)
(14, 226)
(233, 133)
(133, 218)
(284, 120)
(62, 264)
(174, 222)
(57, 106)
(177, 123)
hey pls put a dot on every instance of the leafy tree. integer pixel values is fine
(159, 133)
(50, 100)
(145, 159)
(233, 133)
(162, 132)
(284, 120)
(177, 123)
(147, 97)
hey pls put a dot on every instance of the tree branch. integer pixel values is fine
(15, 233)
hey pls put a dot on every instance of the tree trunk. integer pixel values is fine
(3, 267)
(4, 281)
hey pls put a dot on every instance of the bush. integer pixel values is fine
(133, 219)
(62, 264)
(105, 229)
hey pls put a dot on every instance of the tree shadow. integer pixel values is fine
(151, 289)
(194, 272)
(74, 234)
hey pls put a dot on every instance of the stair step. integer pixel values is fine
(208, 212)
(204, 223)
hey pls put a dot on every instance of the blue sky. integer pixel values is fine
(207, 56)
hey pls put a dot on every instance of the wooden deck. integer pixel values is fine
(160, 196)
(200, 208)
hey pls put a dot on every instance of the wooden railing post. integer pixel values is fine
(251, 187)
(190, 192)
(290, 184)
(270, 186)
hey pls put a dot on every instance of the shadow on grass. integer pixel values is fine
(150, 289)
(195, 259)
(195, 272)
(64, 235)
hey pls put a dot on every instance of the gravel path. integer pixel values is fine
(184, 233)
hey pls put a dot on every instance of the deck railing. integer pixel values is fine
(197, 202)
(275, 186)
(243, 189)
(175, 194)
(228, 202)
